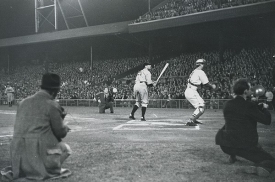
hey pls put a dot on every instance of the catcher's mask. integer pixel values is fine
(200, 62)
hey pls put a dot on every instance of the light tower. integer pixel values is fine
(44, 9)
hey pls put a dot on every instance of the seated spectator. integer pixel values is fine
(183, 7)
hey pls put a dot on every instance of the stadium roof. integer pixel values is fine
(17, 16)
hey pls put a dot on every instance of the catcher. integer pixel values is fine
(197, 78)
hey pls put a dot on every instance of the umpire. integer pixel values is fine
(105, 100)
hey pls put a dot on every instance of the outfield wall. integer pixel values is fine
(153, 103)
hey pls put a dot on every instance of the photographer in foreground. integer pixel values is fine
(37, 151)
(239, 136)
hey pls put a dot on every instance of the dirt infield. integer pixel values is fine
(111, 147)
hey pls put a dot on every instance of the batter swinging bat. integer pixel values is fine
(163, 70)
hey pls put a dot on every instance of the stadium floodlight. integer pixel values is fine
(40, 14)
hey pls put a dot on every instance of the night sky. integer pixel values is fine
(17, 16)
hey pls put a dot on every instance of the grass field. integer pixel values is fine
(110, 147)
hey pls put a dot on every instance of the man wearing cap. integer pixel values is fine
(143, 80)
(9, 91)
(197, 78)
(37, 151)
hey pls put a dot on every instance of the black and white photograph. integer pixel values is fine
(137, 90)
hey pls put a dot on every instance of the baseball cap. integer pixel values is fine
(145, 64)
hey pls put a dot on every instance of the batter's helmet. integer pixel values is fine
(200, 61)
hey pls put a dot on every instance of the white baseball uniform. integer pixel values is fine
(143, 79)
(196, 78)
(9, 91)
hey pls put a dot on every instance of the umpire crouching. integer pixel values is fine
(105, 100)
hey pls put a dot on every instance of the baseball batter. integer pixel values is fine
(143, 80)
(197, 78)
(9, 91)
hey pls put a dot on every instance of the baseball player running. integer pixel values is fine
(143, 80)
(197, 78)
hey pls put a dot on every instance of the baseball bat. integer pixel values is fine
(163, 70)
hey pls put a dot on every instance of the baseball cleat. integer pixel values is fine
(142, 119)
(197, 122)
(191, 124)
(132, 117)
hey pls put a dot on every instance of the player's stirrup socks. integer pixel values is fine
(143, 110)
(134, 110)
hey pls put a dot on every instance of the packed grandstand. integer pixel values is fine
(81, 80)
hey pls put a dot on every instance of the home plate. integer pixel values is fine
(166, 124)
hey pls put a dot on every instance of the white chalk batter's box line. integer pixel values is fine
(7, 112)
(135, 125)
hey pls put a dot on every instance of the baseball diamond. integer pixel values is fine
(137, 90)
(118, 148)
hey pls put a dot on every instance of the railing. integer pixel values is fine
(153, 103)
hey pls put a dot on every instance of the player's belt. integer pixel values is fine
(193, 84)
(143, 82)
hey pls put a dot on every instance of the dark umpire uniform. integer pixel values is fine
(106, 101)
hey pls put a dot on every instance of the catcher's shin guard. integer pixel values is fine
(198, 112)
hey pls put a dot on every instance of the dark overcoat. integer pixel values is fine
(241, 118)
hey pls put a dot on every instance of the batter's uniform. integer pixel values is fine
(143, 79)
(9, 91)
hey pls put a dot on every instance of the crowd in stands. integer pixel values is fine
(79, 81)
(175, 8)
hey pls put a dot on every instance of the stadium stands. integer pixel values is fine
(81, 82)
(175, 8)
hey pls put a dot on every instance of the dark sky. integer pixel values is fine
(17, 16)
